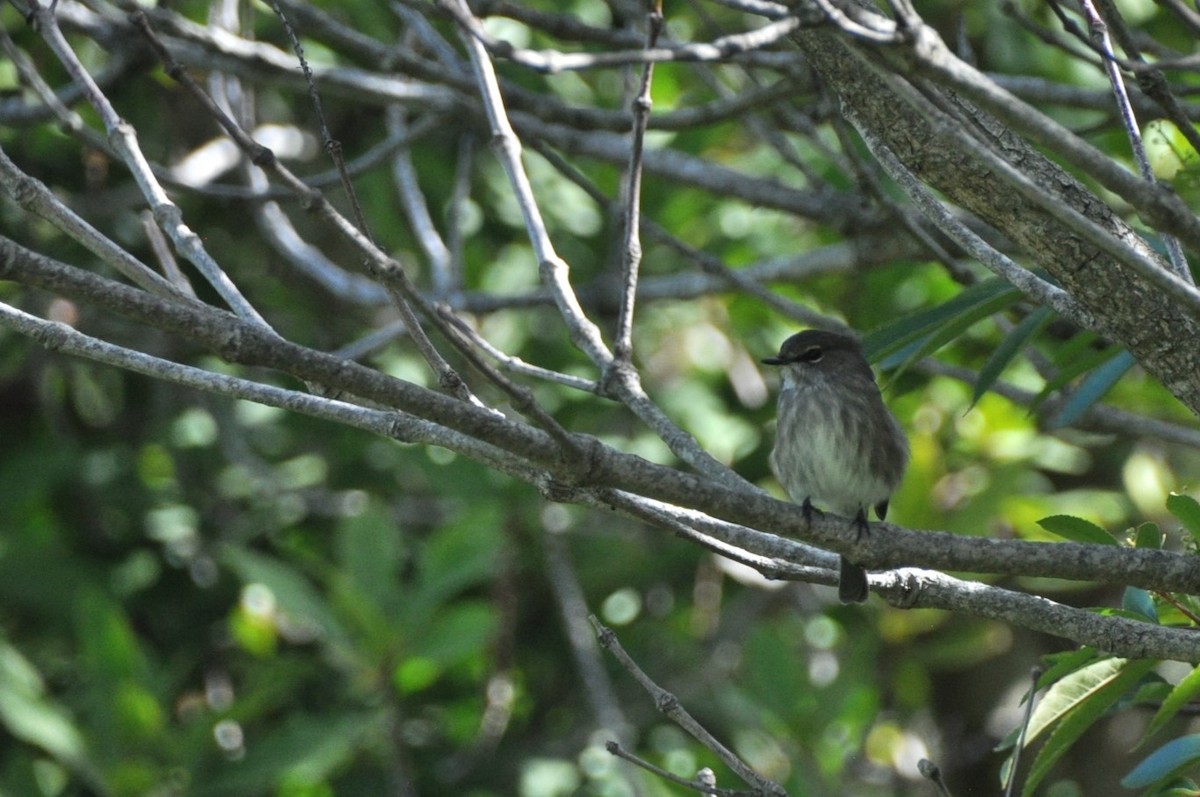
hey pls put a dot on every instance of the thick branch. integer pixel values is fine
(1127, 306)
(889, 546)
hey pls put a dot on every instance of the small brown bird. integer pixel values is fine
(836, 444)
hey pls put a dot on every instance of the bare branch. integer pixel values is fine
(123, 138)
(668, 704)
(631, 252)
(1099, 33)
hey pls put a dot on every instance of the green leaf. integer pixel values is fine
(899, 336)
(1139, 602)
(28, 714)
(1077, 349)
(293, 592)
(1092, 389)
(369, 550)
(458, 632)
(1171, 758)
(1085, 701)
(1187, 511)
(1063, 664)
(460, 556)
(1008, 349)
(950, 328)
(1076, 529)
(1073, 367)
(1183, 693)
(1071, 691)
(1148, 535)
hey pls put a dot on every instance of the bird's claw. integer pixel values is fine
(861, 526)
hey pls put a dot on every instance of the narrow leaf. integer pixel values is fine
(1083, 715)
(1092, 389)
(1183, 693)
(1008, 349)
(1071, 368)
(951, 329)
(1172, 757)
(890, 338)
(1070, 692)
(1076, 529)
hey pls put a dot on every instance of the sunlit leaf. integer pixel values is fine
(1084, 702)
(1070, 692)
(1077, 529)
(1063, 663)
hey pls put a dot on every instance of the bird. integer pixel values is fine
(836, 443)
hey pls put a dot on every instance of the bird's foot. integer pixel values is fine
(860, 525)
(808, 510)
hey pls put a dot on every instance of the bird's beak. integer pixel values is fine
(772, 361)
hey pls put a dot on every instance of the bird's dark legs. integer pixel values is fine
(860, 524)
(852, 579)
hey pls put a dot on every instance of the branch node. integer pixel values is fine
(262, 157)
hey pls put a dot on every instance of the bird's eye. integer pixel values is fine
(812, 355)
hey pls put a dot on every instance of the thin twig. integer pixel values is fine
(123, 139)
(554, 270)
(572, 606)
(456, 213)
(332, 146)
(669, 705)
(416, 210)
(695, 785)
(932, 772)
(631, 252)
(555, 273)
(515, 364)
(1099, 33)
(1024, 280)
(721, 49)
(395, 279)
(166, 258)
(1034, 674)
(33, 195)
